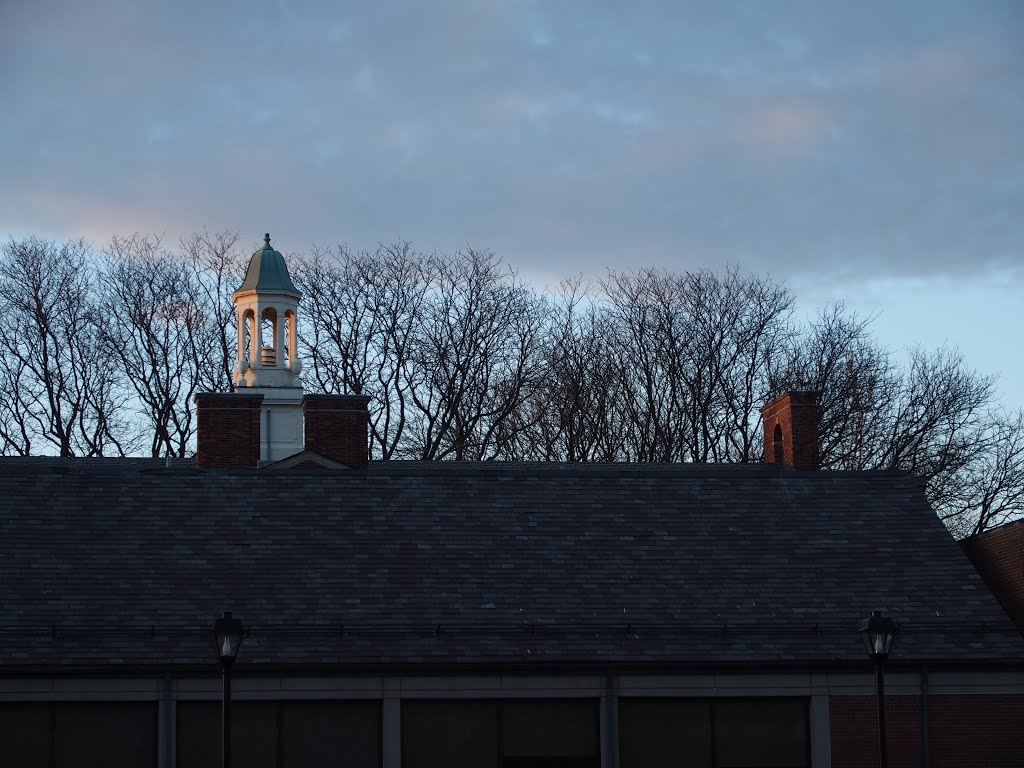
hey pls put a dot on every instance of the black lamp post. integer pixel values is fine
(877, 632)
(227, 638)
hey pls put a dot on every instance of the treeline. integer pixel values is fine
(102, 352)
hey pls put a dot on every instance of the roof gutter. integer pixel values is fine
(244, 669)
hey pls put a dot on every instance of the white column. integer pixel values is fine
(279, 337)
(257, 337)
(166, 725)
(391, 730)
(821, 736)
(293, 339)
(241, 337)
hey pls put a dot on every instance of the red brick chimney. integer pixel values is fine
(227, 430)
(337, 427)
(791, 429)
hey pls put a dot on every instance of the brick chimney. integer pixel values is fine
(337, 427)
(791, 429)
(227, 430)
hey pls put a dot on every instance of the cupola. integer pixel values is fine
(267, 419)
(267, 303)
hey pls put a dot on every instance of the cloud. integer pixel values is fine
(784, 128)
(852, 140)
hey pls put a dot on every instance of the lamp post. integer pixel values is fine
(227, 638)
(877, 632)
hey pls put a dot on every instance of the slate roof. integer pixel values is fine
(126, 563)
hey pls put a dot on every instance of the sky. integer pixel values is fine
(866, 152)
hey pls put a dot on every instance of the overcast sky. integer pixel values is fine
(871, 152)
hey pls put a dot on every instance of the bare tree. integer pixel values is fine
(695, 352)
(836, 355)
(17, 431)
(463, 360)
(59, 391)
(938, 416)
(932, 417)
(737, 325)
(218, 268)
(476, 358)
(989, 489)
(361, 312)
(572, 414)
(160, 333)
(647, 333)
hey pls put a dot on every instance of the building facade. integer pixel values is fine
(482, 614)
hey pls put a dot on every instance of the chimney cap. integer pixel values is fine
(350, 401)
(796, 395)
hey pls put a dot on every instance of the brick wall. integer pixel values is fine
(854, 727)
(227, 430)
(797, 414)
(977, 730)
(337, 427)
(964, 730)
(998, 555)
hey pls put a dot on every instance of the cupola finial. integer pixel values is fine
(266, 239)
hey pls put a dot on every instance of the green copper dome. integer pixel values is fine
(267, 271)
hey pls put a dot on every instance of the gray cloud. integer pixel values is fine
(836, 138)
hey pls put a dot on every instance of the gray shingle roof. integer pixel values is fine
(127, 562)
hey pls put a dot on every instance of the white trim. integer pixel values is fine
(506, 686)
(821, 732)
(391, 731)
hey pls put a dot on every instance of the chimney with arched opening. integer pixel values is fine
(791, 423)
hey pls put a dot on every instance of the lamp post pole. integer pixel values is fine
(226, 719)
(227, 638)
(877, 632)
(883, 756)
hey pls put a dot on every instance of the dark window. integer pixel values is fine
(331, 733)
(714, 733)
(25, 735)
(88, 735)
(78, 735)
(511, 734)
(761, 733)
(275, 734)
(665, 733)
(254, 734)
(197, 733)
(450, 734)
(539, 734)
